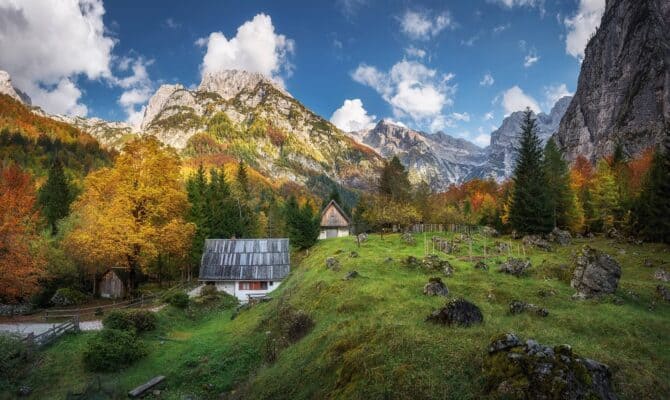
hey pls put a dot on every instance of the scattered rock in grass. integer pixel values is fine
(515, 235)
(339, 251)
(530, 370)
(596, 273)
(457, 312)
(411, 262)
(590, 235)
(560, 236)
(351, 275)
(362, 238)
(501, 247)
(432, 262)
(515, 266)
(648, 263)
(664, 292)
(448, 269)
(662, 275)
(435, 287)
(353, 254)
(622, 251)
(518, 307)
(546, 292)
(634, 240)
(613, 233)
(481, 265)
(444, 245)
(408, 239)
(536, 241)
(490, 231)
(332, 264)
(24, 391)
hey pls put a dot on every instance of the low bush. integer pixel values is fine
(177, 299)
(209, 291)
(134, 320)
(14, 356)
(67, 297)
(112, 349)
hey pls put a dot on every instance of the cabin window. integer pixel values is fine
(253, 285)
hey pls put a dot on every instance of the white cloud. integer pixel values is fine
(441, 122)
(487, 80)
(349, 8)
(471, 41)
(514, 99)
(513, 3)
(420, 25)
(390, 121)
(530, 59)
(415, 52)
(482, 140)
(488, 116)
(255, 48)
(138, 88)
(412, 89)
(553, 93)
(45, 48)
(460, 116)
(352, 116)
(172, 24)
(501, 28)
(582, 25)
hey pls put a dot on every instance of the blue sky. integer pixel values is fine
(454, 66)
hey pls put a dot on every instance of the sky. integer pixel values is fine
(454, 66)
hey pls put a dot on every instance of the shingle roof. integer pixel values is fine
(245, 259)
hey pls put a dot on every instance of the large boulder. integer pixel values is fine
(445, 245)
(536, 241)
(515, 266)
(489, 231)
(457, 312)
(435, 287)
(596, 273)
(560, 236)
(362, 238)
(501, 247)
(332, 264)
(514, 369)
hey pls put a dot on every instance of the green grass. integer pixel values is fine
(370, 339)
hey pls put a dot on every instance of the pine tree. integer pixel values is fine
(394, 182)
(652, 209)
(531, 208)
(55, 196)
(565, 209)
(197, 190)
(243, 178)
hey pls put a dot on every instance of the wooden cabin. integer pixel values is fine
(334, 221)
(113, 284)
(245, 268)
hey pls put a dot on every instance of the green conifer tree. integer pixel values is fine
(565, 211)
(531, 208)
(651, 212)
(55, 196)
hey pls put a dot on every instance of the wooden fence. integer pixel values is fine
(52, 334)
(455, 228)
(97, 310)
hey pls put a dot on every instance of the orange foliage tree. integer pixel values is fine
(131, 214)
(20, 263)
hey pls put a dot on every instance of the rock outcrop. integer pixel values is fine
(623, 92)
(457, 312)
(435, 287)
(596, 273)
(515, 266)
(7, 87)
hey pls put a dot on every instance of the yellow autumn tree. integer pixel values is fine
(131, 213)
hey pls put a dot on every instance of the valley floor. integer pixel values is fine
(370, 339)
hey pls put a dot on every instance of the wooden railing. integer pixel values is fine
(79, 312)
(53, 333)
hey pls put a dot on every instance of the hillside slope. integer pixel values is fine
(370, 339)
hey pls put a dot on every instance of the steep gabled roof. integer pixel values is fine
(339, 209)
(245, 260)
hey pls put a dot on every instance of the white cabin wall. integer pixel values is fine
(232, 288)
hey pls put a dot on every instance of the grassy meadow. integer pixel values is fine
(370, 339)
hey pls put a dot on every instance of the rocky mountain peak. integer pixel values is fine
(229, 83)
(6, 87)
(158, 102)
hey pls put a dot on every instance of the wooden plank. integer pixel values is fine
(143, 388)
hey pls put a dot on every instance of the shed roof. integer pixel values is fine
(339, 219)
(245, 260)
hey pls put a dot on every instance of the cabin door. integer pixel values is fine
(331, 233)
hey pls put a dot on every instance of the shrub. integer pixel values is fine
(68, 297)
(135, 320)
(209, 291)
(112, 349)
(14, 356)
(177, 299)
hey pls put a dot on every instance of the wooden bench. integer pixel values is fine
(145, 387)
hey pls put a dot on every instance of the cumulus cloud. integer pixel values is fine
(137, 86)
(255, 48)
(514, 99)
(349, 8)
(412, 89)
(45, 49)
(422, 26)
(352, 116)
(482, 140)
(461, 116)
(501, 28)
(553, 93)
(530, 59)
(488, 116)
(487, 80)
(415, 52)
(441, 122)
(582, 25)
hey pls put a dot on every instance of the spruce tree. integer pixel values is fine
(302, 224)
(55, 196)
(196, 187)
(531, 208)
(394, 181)
(652, 209)
(562, 199)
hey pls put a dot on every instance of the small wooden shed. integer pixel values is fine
(112, 284)
(334, 221)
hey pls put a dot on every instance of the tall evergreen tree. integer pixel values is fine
(197, 190)
(652, 209)
(394, 182)
(565, 210)
(301, 223)
(55, 196)
(243, 178)
(531, 208)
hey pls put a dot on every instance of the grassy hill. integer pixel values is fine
(370, 340)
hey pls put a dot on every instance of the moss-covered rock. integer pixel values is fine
(514, 369)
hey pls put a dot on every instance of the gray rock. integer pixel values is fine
(648, 263)
(332, 264)
(435, 287)
(481, 265)
(560, 236)
(362, 238)
(351, 275)
(444, 245)
(515, 266)
(518, 307)
(536, 241)
(663, 292)
(623, 91)
(501, 247)
(662, 275)
(457, 312)
(489, 231)
(448, 270)
(531, 370)
(24, 391)
(596, 273)
(353, 254)
(408, 239)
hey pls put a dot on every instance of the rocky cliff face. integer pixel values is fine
(437, 159)
(623, 93)
(6, 87)
(504, 140)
